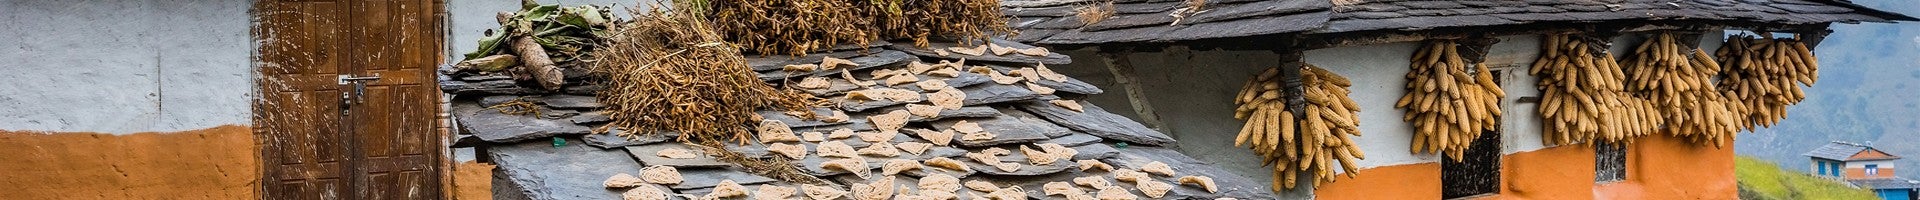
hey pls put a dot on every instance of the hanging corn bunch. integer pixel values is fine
(1324, 135)
(1677, 78)
(1447, 106)
(1760, 74)
(1584, 96)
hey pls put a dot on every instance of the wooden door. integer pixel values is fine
(323, 138)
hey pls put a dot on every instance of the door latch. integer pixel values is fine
(347, 99)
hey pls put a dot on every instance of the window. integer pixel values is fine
(1823, 167)
(1835, 168)
(1873, 169)
(1609, 162)
(1477, 172)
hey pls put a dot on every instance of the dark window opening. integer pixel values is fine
(1477, 172)
(1609, 162)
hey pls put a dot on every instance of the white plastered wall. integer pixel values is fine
(125, 66)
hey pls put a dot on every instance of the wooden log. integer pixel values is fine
(535, 60)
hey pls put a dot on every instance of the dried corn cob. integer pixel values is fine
(1310, 140)
(1448, 107)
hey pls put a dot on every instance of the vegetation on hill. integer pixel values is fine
(1760, 179)
(1866, 94)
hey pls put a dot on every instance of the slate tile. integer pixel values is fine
(1026, 168)
(649, 155)
(1053, 11)
(1255, 9)
(1146, 7)
(1231, 185)
(1051, 58)
(963, 112)
(569, 101)
(1073, 140)
(1007, 130)
(492, 100)
(1136, 34)
(487, 77)
(485, 87)
(797, 122)
(1250, 27)
(612, 139)
(584, 89)
(775, 62)
(1033, 35)
(996, 93)
(835, 87)
(1131, 20)
(1095, 151)
(494, 126)
(876, 59)
(590, 118)
(542, 171)
(709, 177)
(851, 105)
(1098, 122)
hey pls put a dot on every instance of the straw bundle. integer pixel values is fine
(796, 27)
(672, 72)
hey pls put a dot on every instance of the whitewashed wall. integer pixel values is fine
(124, 66)
(1190, 92)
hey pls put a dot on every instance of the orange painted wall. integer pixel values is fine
(213, 163)
(1410, 181)
(1666, 167)
(1563, 172)
(473, 181)
(1658, 167)
(1861, 173)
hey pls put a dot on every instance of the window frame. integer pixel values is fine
(1823, 167)
(1609, 163)
(1490, 144)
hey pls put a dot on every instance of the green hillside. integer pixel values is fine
(1869, 75)
(1762, 180)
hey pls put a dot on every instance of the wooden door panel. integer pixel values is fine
(381, 144)
(401, 155)
(297, 106)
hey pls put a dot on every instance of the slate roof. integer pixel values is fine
(1886, 183)
(1052, 21)
(530, 162)
(1843, 151)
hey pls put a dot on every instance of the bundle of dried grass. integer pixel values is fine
(668, 70)
(1094, 13)
(968, 20)
(796, 27)
(788, 26)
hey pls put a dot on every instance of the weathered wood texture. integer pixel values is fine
(380, 145)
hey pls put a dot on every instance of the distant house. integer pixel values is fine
(1864, 167)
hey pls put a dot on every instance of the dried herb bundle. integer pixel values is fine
(671, 71)
(1094, 13)
(796, 27)
(969, 20)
